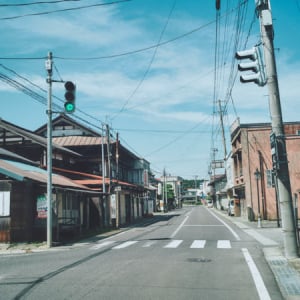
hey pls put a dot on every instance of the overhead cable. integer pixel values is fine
(61, 10)
(149, 65)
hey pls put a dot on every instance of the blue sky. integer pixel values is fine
(147, 68)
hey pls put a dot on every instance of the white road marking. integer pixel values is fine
(198, 244)
(258, 281)
(203, 225)
(224, 244)
(179, 227)
(149, 244)
(173, 244)
(101, 245)
(125, 244)
(226, 225)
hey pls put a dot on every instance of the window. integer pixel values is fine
(4, 204)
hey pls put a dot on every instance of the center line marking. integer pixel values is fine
(179, 227)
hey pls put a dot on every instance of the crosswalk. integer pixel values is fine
(171, 244)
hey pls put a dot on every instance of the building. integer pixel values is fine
(251, 151)
(23, 204)
(114, 181)
(175, 184)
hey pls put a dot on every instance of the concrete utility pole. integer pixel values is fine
(283, 181)
(223, 132)
(49, 151)
(103, 176)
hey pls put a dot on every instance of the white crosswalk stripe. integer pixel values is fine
(173, 244)
(196, 244)
(125, 245)
(149, 244)
(101, 245)
(223, 244)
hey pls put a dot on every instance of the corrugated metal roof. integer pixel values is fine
(8, 154)
(78, 140)
(18, 131)
(21, 172)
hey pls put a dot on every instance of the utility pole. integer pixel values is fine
(49, 151)
(103, 177)
(282, 171)
(196, 199)
(223, 132)
(164, 190)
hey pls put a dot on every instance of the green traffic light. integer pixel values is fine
(69, 107)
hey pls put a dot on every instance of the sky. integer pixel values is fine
(158, 72)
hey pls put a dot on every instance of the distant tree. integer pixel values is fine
(170, 192)
(191, 184)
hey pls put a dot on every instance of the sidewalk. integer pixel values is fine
(286, 271)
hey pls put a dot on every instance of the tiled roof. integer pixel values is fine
(65, 141)
(15, 131)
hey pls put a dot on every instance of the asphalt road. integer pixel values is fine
(191, 253)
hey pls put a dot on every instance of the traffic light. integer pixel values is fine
(255, 65)
(274, 152)
(70, 97)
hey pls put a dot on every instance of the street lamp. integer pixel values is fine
(258, 177)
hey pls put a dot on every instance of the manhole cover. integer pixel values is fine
(199, 260)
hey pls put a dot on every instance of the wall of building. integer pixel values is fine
(256, 154)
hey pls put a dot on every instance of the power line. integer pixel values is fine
(175, 139)
(149, 65)
(127, 52)
(42, 99)
(159, 131)
(36, 3)
(62, 10)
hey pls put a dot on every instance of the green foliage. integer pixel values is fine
(170, 192)
(191, 184)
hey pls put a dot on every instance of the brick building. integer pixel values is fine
(251, 150)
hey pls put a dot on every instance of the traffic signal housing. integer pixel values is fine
(70, 90)
(253, 64)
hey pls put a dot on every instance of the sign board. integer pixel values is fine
(270, 179)
(4, 204)
(113, 206)
(41, 207)
(118, 188)
(216, 164)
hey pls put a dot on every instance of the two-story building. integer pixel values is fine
(23, 186)
(115, 180)
(251, 151)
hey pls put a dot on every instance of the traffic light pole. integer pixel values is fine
(283, 180)
(49, 151)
